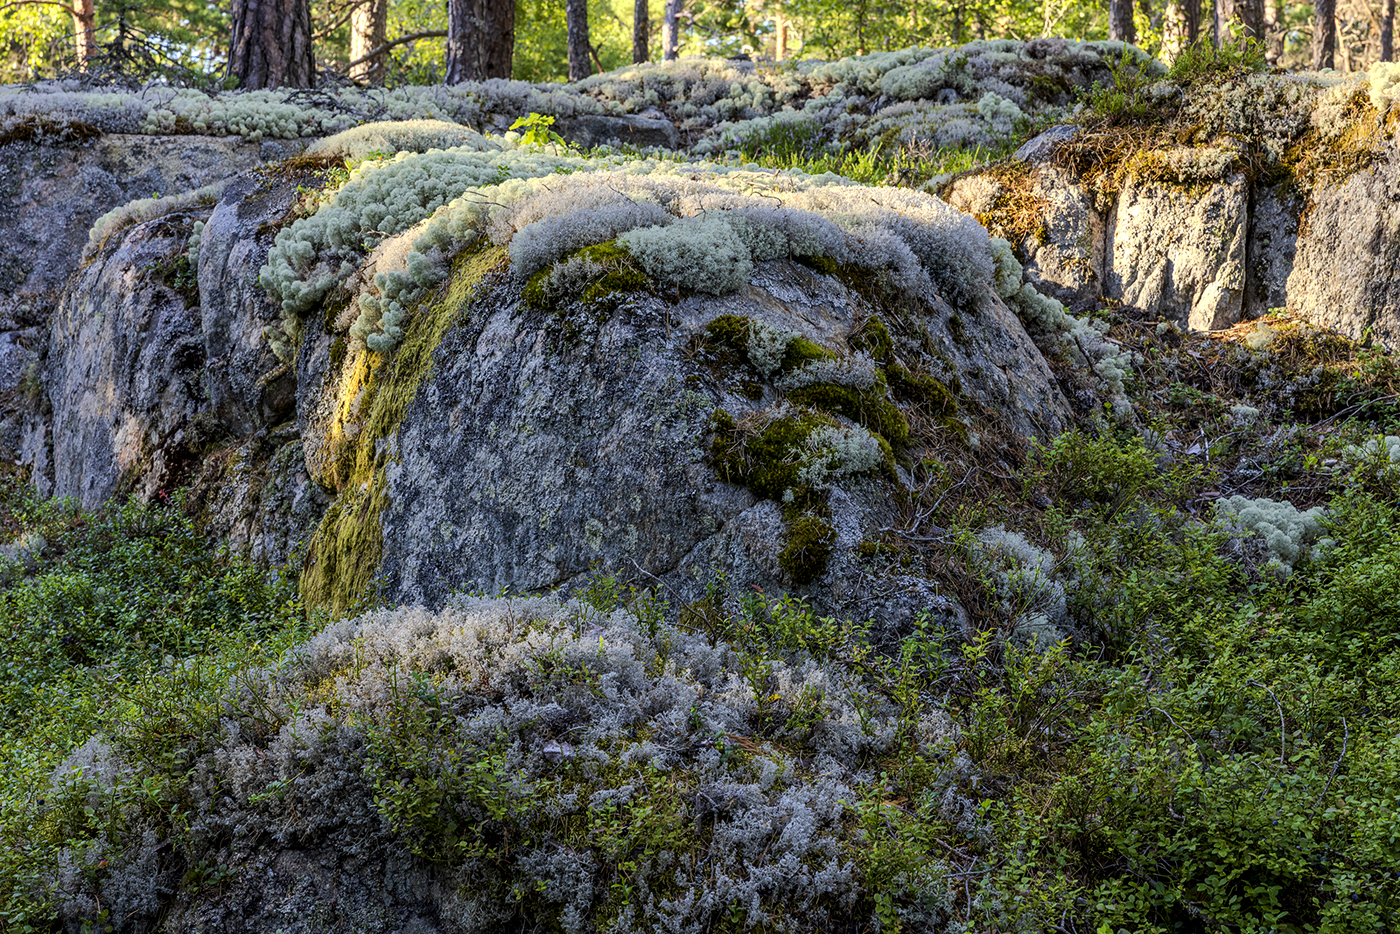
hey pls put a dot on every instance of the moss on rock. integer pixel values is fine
(343, 557)
(808, 546)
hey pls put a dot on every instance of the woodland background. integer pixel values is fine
(188, 41)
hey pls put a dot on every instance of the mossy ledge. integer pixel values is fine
(343, 557)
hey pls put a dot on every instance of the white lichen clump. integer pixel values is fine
(689, 227)
(1029, 583)
(1080, 340)
(558, 712)
(1284, 535)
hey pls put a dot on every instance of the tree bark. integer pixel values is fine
(85, 30)
(1388, 31)
(1324, 43)
(780, 38)
(271, 44)
(576, 18)
(670, 38)
(480, 39)
(1181, 27)
(1274, 32)
(1120, 21)
(641, 32)
(1249, 14)
(369, 29)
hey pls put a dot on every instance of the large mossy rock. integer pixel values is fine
(155, 374)
(507, 447)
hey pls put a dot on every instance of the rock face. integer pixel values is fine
(52, 188)
(1209, 253)
(247, 385)
(531, 457)
(1178, 253)
(123, 373)
(149, 381)
(1345, 272)
(52, 191)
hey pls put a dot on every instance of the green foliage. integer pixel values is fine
(1102, 470)
(808, 545)
(125, 624)
(536, 130)
(1204, 61)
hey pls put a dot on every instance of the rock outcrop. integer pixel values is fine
(1198, 228)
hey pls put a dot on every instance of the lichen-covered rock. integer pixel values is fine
(52, 189)
(1179, 253)
(1050, 219)
(538, 448)
(122, 374)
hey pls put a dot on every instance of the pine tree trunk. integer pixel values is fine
(1324, 44)
(576, 17)
(480, 39)
(780, 39)
(1388, 31)
(369, 29)
(641, 32)
(1273, 31)
(1120, 21)
(85, 30)
(1191, 17)
(670, 38)
(271, 44)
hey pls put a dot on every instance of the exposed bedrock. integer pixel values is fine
(155, 375)
(52, 191)
(122, 375)
(1210, 253)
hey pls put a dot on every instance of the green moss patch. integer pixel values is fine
(807, 548)
(343, 558)
(871, 408)
(620, 276)
(767, 460)
(873, 337)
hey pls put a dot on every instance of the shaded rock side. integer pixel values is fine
(256, 496)
(52, 191)
(538, 449)
(248, 386)
(122, 375)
